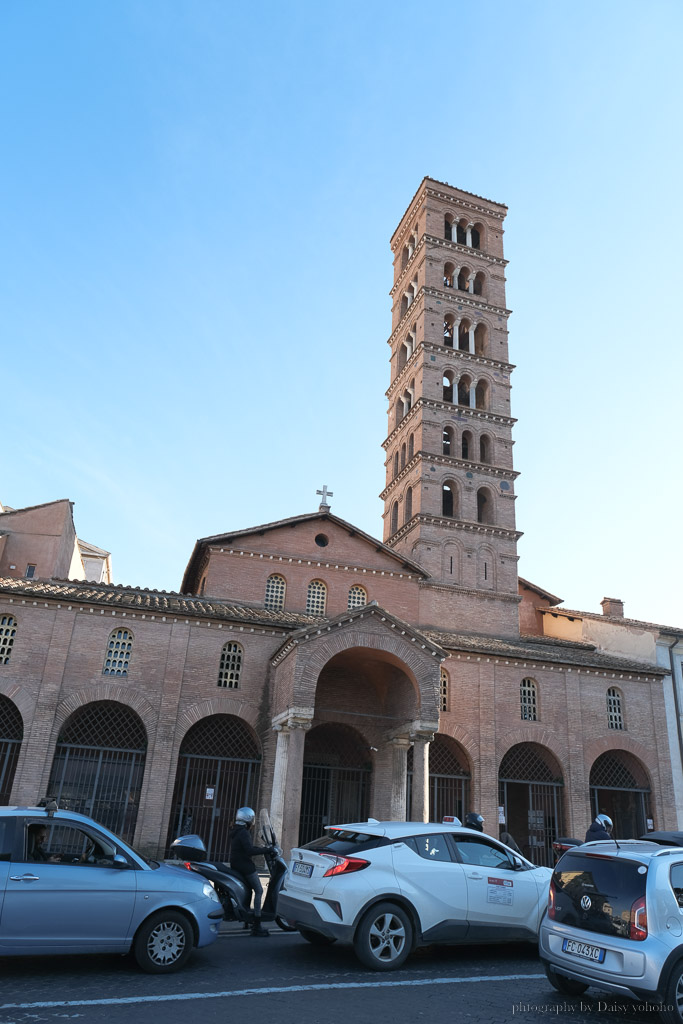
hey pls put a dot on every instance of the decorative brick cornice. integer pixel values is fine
(459, 525)
(461, 465)
(468, 251)
(463, 413)
(462, 299)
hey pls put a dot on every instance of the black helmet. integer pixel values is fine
(245, 816)
(474, 820)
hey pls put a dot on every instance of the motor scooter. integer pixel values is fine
(230, 885)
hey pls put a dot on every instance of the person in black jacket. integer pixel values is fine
(601, 828)
(241, 852)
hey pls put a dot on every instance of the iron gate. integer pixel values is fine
(335, 782)
(219, 770)
(99, 763)
(530, 793)
(619, 787)
(11, 736)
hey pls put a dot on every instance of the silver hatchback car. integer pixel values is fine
(69, 885)
(615, 921)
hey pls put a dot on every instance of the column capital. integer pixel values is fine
(293, 718)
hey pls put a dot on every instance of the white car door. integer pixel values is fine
(431, 878)
(502, 900)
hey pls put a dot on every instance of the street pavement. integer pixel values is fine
(285, 980)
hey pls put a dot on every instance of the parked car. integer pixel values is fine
(664, 838)
(390, 886)
(69, 885)
(615, 921)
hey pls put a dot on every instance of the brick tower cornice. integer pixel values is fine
(453, 247)
(456, 525)
(482, 468)
(458, 412)
(463, 200)
(458, 299)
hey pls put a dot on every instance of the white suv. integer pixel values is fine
(615, 921)
(389, 886)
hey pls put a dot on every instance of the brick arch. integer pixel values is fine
(532, 734)
(218, 705)
(413, 664)
(623, 741)
(463, 737)
(106, 691)
(20, 697)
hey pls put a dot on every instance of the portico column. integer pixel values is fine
(420, 792)
(399, 777)
(285, 805)
(470, 284)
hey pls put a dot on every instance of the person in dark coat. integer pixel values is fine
(242, 850)
(601, 828)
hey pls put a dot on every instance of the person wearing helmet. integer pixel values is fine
(475, 821)
(241, 852)
(601, 828)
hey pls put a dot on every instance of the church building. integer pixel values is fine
(307, 667)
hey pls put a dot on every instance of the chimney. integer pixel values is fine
(612, 606)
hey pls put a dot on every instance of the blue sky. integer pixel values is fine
(198, 201)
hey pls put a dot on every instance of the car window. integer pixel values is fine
(676, 878)
(481, 852)
(345, 843)
(55, 842)
(6, 832)
(431, 847)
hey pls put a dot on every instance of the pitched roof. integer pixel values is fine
(233, 535)
(618, 619)
(542, 649)
(540, 591)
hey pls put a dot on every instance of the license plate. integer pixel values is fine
(583, 949)
(302, 869)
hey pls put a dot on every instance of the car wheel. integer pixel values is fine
(672, 1010)
(384, 937)
(567, 986)
(164, 942)
(315, 938)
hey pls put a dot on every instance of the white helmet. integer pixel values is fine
(605, 821)
(245, 816)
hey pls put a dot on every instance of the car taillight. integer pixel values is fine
(345, 865)
(638, 928)
(187, 864)
(551, 899)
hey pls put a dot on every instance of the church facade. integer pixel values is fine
(310, 668)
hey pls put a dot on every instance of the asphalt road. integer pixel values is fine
(284, 980)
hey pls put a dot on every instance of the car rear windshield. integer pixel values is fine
(345, 843)
(597, 892)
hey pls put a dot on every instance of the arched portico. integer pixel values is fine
(371, 676)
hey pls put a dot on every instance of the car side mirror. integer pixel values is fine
(518, 862)
(120, 861)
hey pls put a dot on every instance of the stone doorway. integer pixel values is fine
(530, 787)
(620, 787)
(336, 779)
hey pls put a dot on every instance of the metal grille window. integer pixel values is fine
(316, 598)
(528, 700)
(11, 735)
(615, 715)
(275, 592)
(230, 666)
(443, 691)
(8, 630)
(357, 597)
(118, 653)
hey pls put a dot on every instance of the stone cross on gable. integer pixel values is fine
(325, 494)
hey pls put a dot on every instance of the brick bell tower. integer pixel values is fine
(449, 495)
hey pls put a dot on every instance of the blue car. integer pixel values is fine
(69, 885)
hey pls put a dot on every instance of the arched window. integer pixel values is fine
(411, 446)
(119, 650)
(484, 506)
(449, 505)
(403, 456)
(444, 693)
(408, 505)
(447, 385)
(477, 235)
(230, 666)
(447, 441)
(485, 448)
(8, 631)
(461, 233)
(275, 593)
(464, 389)
(482, 395)
(480, 340)
(448, 275)
(479, 283)
(528, 700)
(396, 463)
(358, 597)
(316, 598)
(466, 447)
(615, 711)
(448, 228)
(464, 336)
(448, 330)
(394, 517)
(464, 279)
